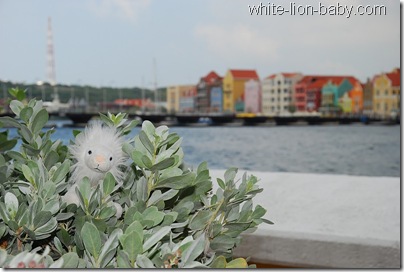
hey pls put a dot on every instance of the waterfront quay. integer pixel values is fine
(198, 119)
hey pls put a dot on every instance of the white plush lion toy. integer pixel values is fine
(97, 151)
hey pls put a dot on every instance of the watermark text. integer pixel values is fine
(337, 9)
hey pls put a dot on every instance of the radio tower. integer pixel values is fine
(50, 56)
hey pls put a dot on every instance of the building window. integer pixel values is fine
(279, 82)
(285, 90)
(386, 92)
(272, 99)
(272, 91)
(279, 91)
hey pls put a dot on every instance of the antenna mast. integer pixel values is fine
(50, 56)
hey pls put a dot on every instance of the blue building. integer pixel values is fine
(216, 99)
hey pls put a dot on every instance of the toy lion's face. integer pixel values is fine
(97, 150)
(99, 158)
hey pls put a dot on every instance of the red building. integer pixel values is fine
(308, 90)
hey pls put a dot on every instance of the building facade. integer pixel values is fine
(278, 93)
(204, 88)
(233, 88)
(387, 93)
(368, 97)
(216, 99)
(252, 96)
(356, 95)
(181, 98)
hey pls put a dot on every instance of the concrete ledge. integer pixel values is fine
(328, 221)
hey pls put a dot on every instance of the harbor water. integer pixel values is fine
(344, 149)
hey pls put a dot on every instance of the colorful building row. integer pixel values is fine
(285, 93)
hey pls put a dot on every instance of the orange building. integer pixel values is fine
(356, 95)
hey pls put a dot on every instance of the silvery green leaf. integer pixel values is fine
(51, 158)
(163, 164)
(158, 196)
(85, 188)
(3, 229)
(25, 113)
(221, 183)
(39, 121)
(58, 244)
(141, 189)
(91, 239)
(202, 166)
(258, 212)
(9, 122)
(49, 227)
(230, 174)
(122, 259)
(61, 172)
(222, 243)
(25, 133)
(52, 205)
(152, 214)
(219, 263)
(202, 176)
(143, 262)
(108, 184)
(146, 161)
(136, 227)
(199, 221)
(42, 218)
(28, 174)
(156, 237)
(136, 156)
(110, 245)
(128, 148)
(107, 212)
(148, 128)
(179, 182)
(16, 106)
(144, 139)
(194, 250)
(11, 202)
(132, 244)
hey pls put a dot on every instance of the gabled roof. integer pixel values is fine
(318, 81)
(395, 76)
(244, 74)
(283, 74)
(211, 77)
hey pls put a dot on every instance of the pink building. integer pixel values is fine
(252, 96)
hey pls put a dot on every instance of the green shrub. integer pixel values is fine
(171, 218)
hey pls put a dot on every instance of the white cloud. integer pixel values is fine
(127, 9)
(237, 41)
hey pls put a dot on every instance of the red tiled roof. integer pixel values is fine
(318, 81)
(244, 74)
(394, 76)
(211, 77)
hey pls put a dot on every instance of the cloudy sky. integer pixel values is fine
(114, 42)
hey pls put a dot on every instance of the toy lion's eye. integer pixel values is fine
(110, 159)
(89, 152)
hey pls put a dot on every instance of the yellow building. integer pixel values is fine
(181, 98)
(386, 93)
(345, 102)
(233, 89)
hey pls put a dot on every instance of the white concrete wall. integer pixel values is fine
(333, 221)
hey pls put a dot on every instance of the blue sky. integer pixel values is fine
(114, 42)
